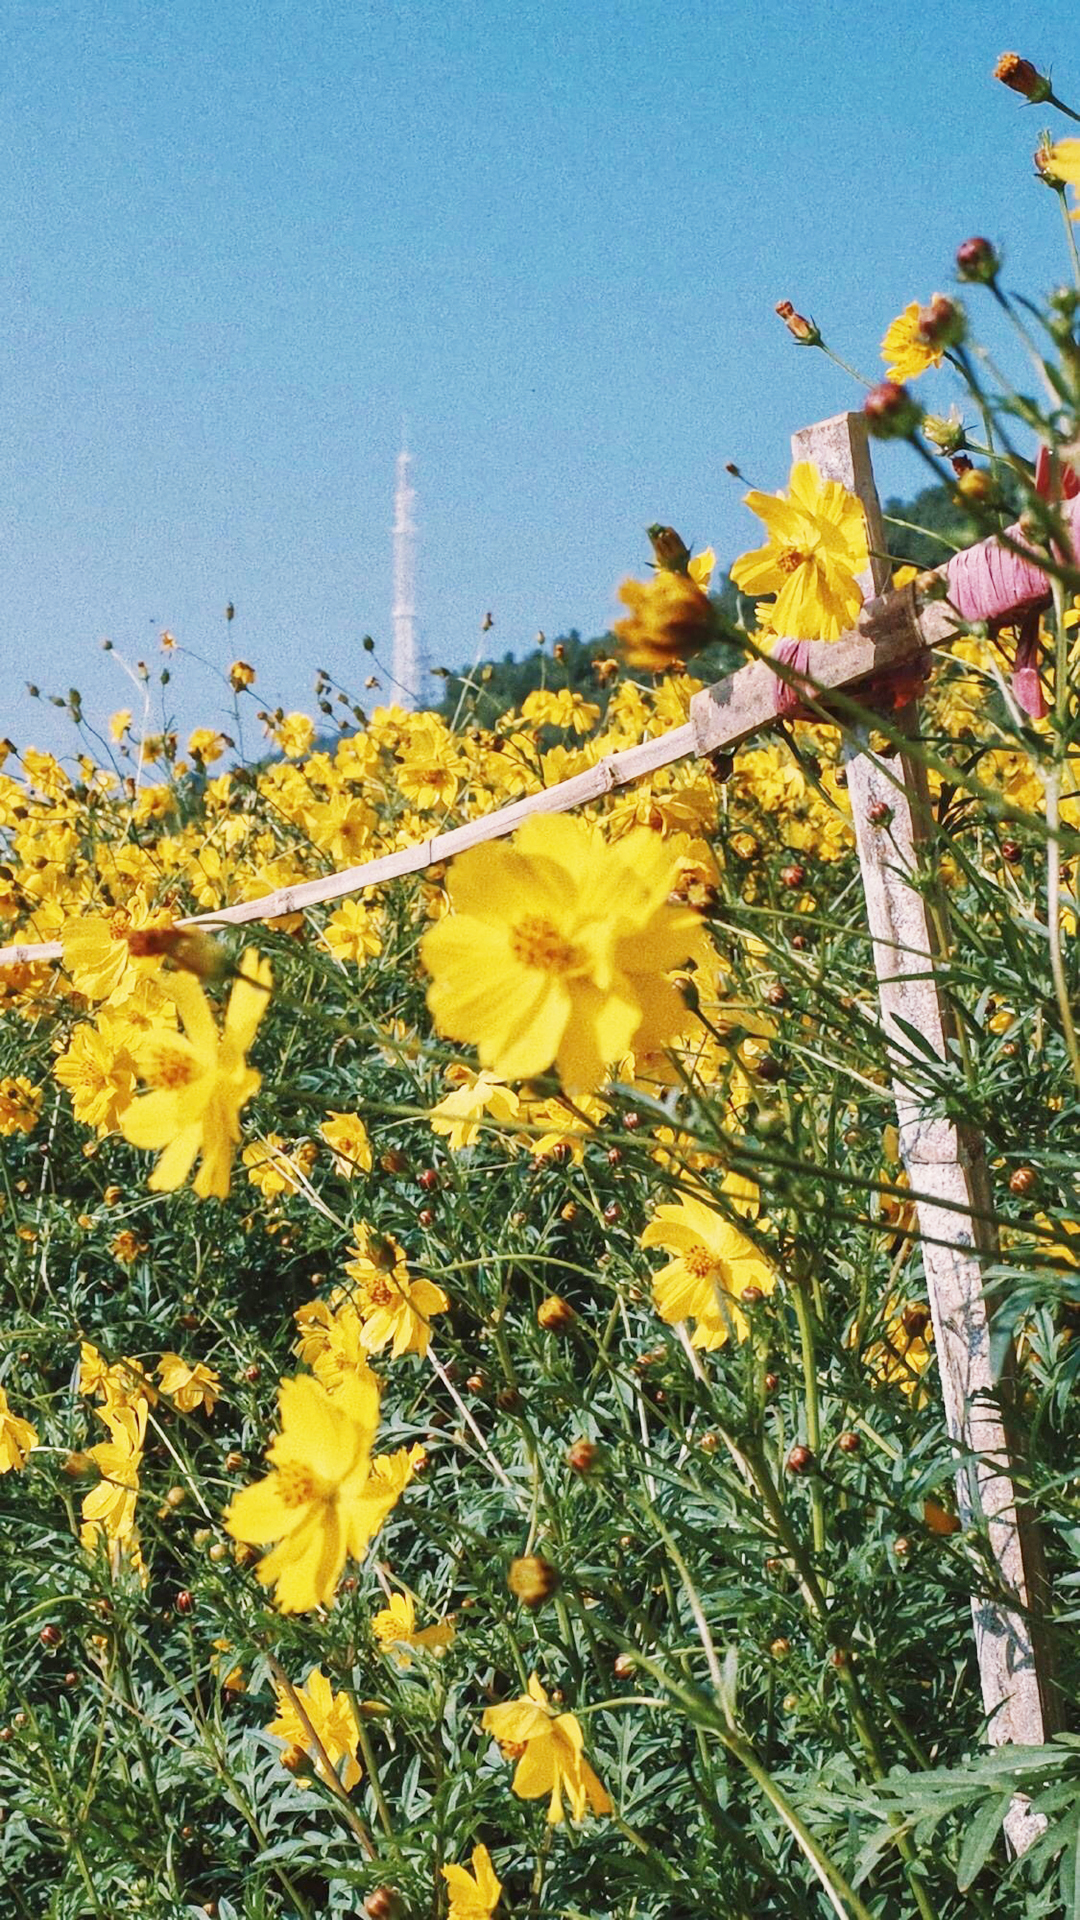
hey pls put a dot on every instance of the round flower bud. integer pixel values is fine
(429, 1180)
(583, 1455)
(902, 1547)
(772, 1381)
(532, 1580)
(612, 1212)
(624, 1666)
(803, 331)
(508, 1400)
(234, 1462)
(50, 1636)
(793, 876)
(879, 814)
(780, 1647)
(1023, 1180)
(977, 259)
(800, 1460)
(176, 1496)
(849, 1442)
(555, 1314)
(1012, 851)
(942, 323)
(891, 413)
(185, 1602)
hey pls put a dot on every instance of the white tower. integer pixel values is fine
(409, 664)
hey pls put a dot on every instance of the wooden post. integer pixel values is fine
(942, 1165)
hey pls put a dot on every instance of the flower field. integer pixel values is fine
(470, 1435)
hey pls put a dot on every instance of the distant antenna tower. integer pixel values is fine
(409, 662)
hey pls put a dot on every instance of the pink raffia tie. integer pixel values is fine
(787, 694)
(990, 582)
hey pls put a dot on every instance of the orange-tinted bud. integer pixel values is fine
(1023, 78)
(532, 1580)
(804, 332)
(977, 259)
(891, 413)
(555, 1314)
(942, 323)
(583, 1456)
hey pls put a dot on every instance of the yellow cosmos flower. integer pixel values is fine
(295, 735)
(474, 1096)
(272, 1169)
(394, 1627)
(475, 1895)
(20, 1105)
(817, 547)
(351, 933)
(201, 1080)
(332, 1718)
(394, 1310)
(347, 1137)
(549, 1750)
(109, 1508)
(714, 1265)
(909, 355)
(16, 1438)
(312, 1503)
(557, 950)
(121, 1384)
(1062, 162)
(670, 619)
(189, 1387)
(547, 708)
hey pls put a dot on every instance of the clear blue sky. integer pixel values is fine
(240, 241)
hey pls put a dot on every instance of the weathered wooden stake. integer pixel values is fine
(944, 1166)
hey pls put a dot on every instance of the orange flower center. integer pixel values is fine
(298, 1485)
(511, 1749)
(536, 943)
(379, 1293)
(791, 559)
(171, 1066)
(701, 1263)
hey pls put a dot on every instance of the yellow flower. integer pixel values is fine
(547, 708)
(332, 1718)
(902, 345)
(206, 745)
(123, 1384)
(295, 735)
(548, 1748)
(119, 723)
(240, 675)
(817, 547)
(557, 951)
(1062, 162)
(16, 1437)
(458, 1116)
(347, 1137)
(393, 1309)
(351, 933)
(20, 1105)
(394, 1627)
(272, 1169)
(714, 1265)
(475, 1895)
(189, 1387)
(109, 1508)
(312, 1503)
(671, 618)
(201, 1080)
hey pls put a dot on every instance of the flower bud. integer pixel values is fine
(976, 487)
(780, 1648)
(671, 551)
(555, 1314)
(1023, 1181)
(583, 1455)
(849, 1441)
(532, 1580)
(1017, 73)
(195, 952)
(948, 435)
(804, 332)
(978, 260)
(624, 1666)
(891, 413)
(800, 1460)
(942, 323)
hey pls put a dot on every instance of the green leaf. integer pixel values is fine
(979, 1839)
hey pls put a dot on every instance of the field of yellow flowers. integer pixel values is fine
(469, 1431)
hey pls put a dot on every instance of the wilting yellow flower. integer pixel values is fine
(240, 675)
(394, 1310)
(333, 1720)
(713, 1267)
(126, 1247)
(201, 1080)
(20, 1105)
(189, 1387)
(394, 1627)
(817, 547)
(109, 1508)
(557, 951)
(909, 354)
(16, 1437)
(459, 1114)
(475, 1895)
(902, 1355)
(549, 1750)
(347, 1137)
(671, 618)
(312, 1503)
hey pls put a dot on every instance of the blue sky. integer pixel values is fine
(241, 241)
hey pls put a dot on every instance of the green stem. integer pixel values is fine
(813, 1416)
